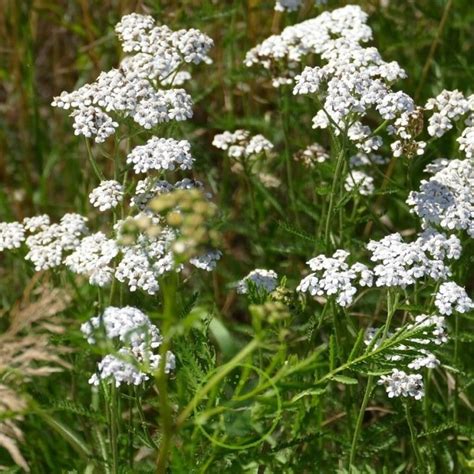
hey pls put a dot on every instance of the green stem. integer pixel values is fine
(392, 301)
(360, 419)
(113, 428)
(92, 161)
(335, 183)
(169, 289)
(413, 435)
(456, 393)
(427, 414)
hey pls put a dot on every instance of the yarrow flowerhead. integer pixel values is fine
(133, 90)
(161, 154)
(262, 279)
(129, 325)
(453, 298)
(12, 235)
(136, 359)
(312, 155)
(448, 107)
(207, 261)
(333, 276)
(36, 223)
(241, 144)
(50, 242)
(447, 198)
(287, 5)
(401, 264)
(401, 384)
(107, 195)
(359, 182)
(92, 257)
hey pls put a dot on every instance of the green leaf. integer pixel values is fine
(223, 337)
(357, 345)
(297, 232)
(437, 429)
(69, 435)
(312, 392)
(344, 379)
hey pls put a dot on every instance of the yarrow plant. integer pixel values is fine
(271, 280)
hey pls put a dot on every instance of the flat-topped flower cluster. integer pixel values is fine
(139, 87)
(137, 338)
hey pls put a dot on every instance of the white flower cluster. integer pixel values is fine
(128, 324)
(206, 261)
(448, 107)
(161, 154)
(139, 34)
(136, 359)
(361, 135)
(133, 90)
(466, 142)
(452, 297)
(147, 189)
(399, 264)
(316, 35)
(241, 144)
(36, 223)
(437, 323)
(46, 242)
(266, 280)
(50, 241)
(352, 80)
(424, 359)
(401, 384)
(447, 198)
(361, 159)
(107, 195)
(12, 235)
(311, 155)
(333, 276)
(140, 254)
(144, 262)
(293, 5)
(92, 257)
(406, 128)
(360, 182)
(121, 368)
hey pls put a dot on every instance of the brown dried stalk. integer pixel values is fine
(26, 352)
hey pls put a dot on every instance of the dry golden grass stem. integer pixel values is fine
(26, 352)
